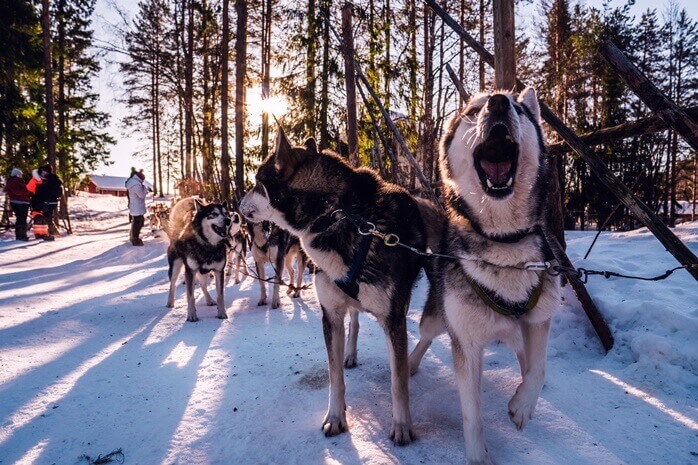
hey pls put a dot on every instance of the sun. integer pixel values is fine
(275, 105)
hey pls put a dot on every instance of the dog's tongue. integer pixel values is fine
(498, 172)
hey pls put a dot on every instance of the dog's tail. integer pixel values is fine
(434, 220)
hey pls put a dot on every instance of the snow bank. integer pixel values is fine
(92, 361)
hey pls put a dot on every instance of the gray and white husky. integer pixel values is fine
(237, 247)
(495, 172)
(198, 235)
(301, 190)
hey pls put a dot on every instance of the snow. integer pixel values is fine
(92, 361)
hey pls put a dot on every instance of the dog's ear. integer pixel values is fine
(530, 100)
(198, 205)
(311, 145)
(285, 159)
(225, 206)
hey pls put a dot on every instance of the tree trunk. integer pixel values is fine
(189, 96)
(311, 51)
(350, 81)
(266, 70)
(240, 73)
(48, 82)
(324, 93)
(225, 154)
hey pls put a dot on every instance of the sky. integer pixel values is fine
(125, 153)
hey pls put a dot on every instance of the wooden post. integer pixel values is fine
(648, 125)
(659, 103)
(641, 211)
(350, 82)
(504, 44)
(595, 317)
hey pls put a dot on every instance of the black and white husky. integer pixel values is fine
(198, 235)
(495, 175)
(319, 198)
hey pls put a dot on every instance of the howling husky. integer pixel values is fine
(198, 235)
(331, 207)
(495, 175)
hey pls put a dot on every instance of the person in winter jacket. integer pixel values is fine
(41, 229)
(20, 199)
(136, 205)
(50, 191)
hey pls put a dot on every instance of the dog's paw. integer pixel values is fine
(275, 303)
(333, 425)
(297, 295)
(169, 304)
(210, 302)
(222, 315)
(192, 318)
(262, 302)
(351, 360)
(486, 461)
(521, 407)
(237, 281)
(402, 434)
(289, 291)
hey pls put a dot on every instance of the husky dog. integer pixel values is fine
(159, 217)
(200, 248)
(495, 174)
(269, 244)
(237, 250)
(319, 198)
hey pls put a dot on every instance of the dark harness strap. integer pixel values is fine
(348, 284)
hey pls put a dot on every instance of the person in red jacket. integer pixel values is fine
(20, 198)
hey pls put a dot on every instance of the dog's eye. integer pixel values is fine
(472, 111)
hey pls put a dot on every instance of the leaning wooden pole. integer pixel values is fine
(641, 211)
(592, 311)
(595, 317)
(426, 186)
(659, 103)
(393, 159)
(640, 127)
(350, 82)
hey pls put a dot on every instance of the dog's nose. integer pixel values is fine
(498, 104)
(227, 221)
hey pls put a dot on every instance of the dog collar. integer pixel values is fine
(497, 304)
(509, 238)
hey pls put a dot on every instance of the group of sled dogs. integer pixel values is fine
(369, 240)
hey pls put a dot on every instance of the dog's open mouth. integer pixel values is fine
(220, 230)
(495, 161)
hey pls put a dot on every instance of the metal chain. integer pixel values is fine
(366, 228)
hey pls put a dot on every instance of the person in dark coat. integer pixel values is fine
(51, 190)
(20, 199)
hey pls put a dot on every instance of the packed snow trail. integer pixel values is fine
(92, 361)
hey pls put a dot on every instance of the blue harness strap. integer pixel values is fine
(348, 283)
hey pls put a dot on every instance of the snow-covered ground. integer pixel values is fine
(92, 361)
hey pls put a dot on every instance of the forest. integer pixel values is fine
(205, 79)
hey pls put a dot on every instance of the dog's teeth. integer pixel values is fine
(489, 183)
(510, 182)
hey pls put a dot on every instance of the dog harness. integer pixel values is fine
(516, 310)
(349, 284)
